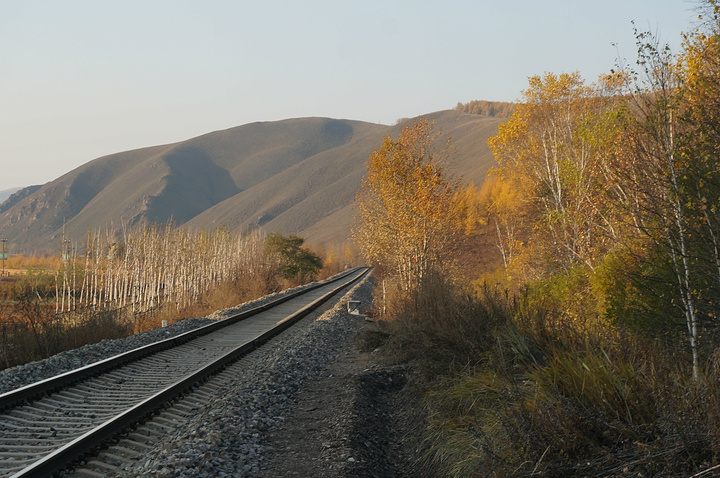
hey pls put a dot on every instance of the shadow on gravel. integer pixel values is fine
(373, 440)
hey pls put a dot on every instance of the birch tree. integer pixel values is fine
(408, 221)
(665, 209)
(148, 266)
(700, 143)
(505, 205)
(549, 146)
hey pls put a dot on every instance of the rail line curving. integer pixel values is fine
(46, 425)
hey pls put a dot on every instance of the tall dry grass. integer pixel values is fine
(33, 263)
(518, 390)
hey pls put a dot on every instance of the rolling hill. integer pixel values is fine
(292, 176)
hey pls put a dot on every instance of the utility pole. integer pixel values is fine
(3, 253)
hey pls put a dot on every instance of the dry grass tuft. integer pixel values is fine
(515, 390)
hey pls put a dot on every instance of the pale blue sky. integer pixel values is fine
(83, 78)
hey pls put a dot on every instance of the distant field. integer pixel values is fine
(13, 272)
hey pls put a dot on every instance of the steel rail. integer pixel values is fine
(58, 382)
(92, 439)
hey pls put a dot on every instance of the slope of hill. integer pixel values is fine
(5, 194)
(291, 176)
(10, 197)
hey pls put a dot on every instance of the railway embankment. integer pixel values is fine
(310, 405)
(227, 434)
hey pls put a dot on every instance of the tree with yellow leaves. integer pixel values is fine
(550, 148)
(505, 207)
(675, 140)
(408, 219)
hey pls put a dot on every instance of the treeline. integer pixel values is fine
(590, 347)
(145, 267)
(120, 282)
(616, 184)
(496, 109)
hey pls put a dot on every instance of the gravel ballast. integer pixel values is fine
(226, 437)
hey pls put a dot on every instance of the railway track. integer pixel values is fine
(47, 425)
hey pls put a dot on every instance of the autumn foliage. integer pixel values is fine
(408, 217)
(591, 348)
(487, 108)
(552, 149)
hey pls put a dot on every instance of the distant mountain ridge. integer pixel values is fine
(7, 194)
(291, 176)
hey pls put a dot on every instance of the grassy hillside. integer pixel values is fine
(291, 176)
